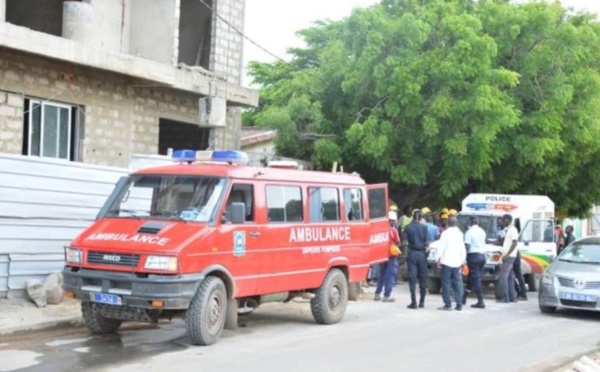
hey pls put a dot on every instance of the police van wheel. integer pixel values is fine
(331, 298)
(97, 323)
(531, 282)
(434, 285)
(205, 318)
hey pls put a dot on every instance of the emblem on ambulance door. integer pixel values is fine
(239, 243)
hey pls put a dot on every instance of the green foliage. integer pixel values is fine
(445, 97)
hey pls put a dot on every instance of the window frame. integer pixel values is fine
(253, 204)
(363, 216)
(74, 128)
(322, 210)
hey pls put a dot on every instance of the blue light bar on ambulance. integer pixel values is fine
(217, 156)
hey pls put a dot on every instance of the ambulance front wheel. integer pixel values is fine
(331, 298)
(95, 322)
(205, 318)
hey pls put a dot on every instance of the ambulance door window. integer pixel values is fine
(242, 193)
(377, 202)
(324, 204)
(353, 204)
(284, 203)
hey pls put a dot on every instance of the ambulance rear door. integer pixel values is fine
(377, 205)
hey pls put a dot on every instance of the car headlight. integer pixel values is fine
(163, 263)
(72, 255)
(548, 279)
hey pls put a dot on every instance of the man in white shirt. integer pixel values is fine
(452, 255)
(475, 239)
(509, 254)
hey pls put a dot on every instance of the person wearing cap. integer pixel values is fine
(415, 238)
(452, 213)
(405, 219)
(388, 270)
(433, 232)
(475, 243)
(443, 220)
(452, 255)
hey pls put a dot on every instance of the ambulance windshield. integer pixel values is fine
(183, 198)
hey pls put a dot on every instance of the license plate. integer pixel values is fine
(578, 297)
(106, 299)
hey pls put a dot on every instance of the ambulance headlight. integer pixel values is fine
(72, 255)
(162, 263)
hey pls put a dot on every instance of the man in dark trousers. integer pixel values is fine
(415, 238)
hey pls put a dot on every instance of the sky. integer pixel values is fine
(273, 23)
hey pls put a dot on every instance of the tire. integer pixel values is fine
(331, 298)
(434, 285)
(95, 322)
(497, 290)
(404, 272)
(205, 318)
(531, 282)
(547, 309)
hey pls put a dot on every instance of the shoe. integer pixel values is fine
(377, 297)
(522, 298)
(389, 299)
(412, 306)
(458, 308)
(421, 304)
(445, 308)
(502, 301)
(478, 306)
(513, 300)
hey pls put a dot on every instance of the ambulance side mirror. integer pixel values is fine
(238, 213)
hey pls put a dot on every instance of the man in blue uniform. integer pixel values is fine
(415, 238)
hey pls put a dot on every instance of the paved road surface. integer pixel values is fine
(372, 337)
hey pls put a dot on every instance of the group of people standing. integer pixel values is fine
(457, 253)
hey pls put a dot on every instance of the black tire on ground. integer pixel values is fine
(531, 282)
(497, 290)
(205, 318)
(547, 309)
(331, 298)
(404, 272)
(434, 285)
(95, 322)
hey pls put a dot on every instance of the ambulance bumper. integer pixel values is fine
(127, 289)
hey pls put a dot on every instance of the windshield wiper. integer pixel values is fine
(130, 212)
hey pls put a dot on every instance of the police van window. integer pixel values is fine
(241, 193)
(324, 204)
(353, 203)
(284, 203)
(377, 203)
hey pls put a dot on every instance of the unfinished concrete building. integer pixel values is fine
(96, 81)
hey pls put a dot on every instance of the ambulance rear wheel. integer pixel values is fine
(95, 322)
(205, 318)
(531, 282)
(331, 298)
(434, 285)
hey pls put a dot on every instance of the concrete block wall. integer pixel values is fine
(226, 59)
(121, 115)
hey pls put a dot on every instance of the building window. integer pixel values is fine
(324, 204)
(50, 130)
(284, 204)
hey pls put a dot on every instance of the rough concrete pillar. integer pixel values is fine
(78, 22)
(2, 10)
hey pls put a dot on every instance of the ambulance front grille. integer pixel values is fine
(117, 259)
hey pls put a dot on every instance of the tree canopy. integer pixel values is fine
(441, 98)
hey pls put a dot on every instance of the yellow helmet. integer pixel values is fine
(393, 207)
(444, 211)
(444, 216)
(425, 210)
(452, 212)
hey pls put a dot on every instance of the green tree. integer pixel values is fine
(445, 97)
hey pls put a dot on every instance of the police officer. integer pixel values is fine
(415, 238)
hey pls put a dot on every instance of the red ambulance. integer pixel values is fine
(209, 238)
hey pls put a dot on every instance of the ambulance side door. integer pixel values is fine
(377, 204)
(241, 242)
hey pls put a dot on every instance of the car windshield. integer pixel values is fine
(185, 198)
(487, 223)
(581, 253)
